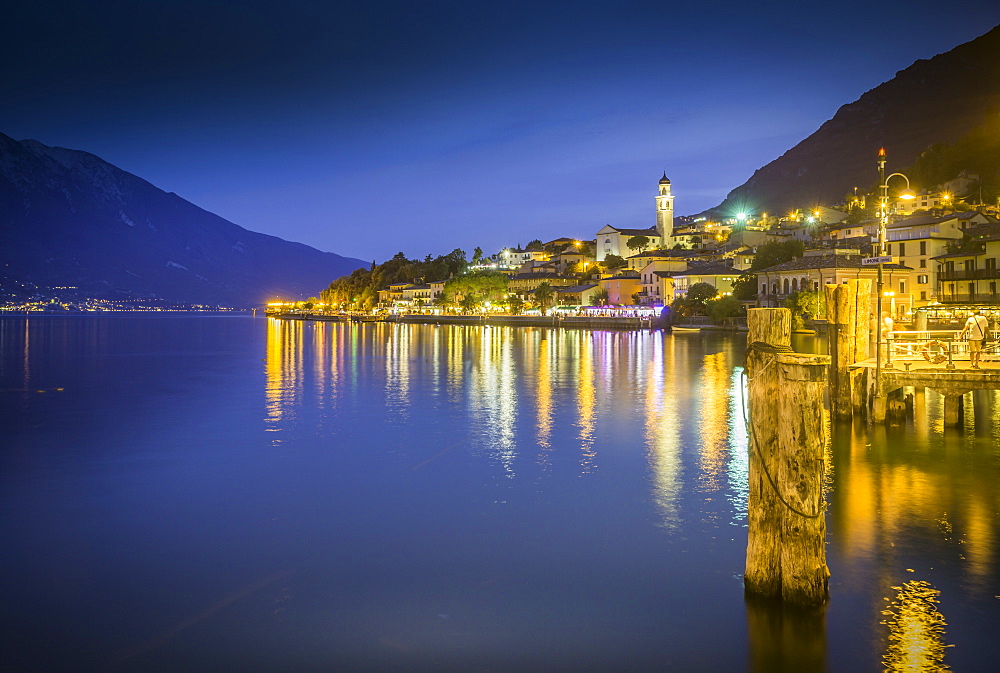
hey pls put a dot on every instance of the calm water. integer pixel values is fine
(235, 494)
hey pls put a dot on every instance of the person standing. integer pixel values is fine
(975, 330)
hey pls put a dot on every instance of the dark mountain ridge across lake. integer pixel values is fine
(69, 218)
(935, 101)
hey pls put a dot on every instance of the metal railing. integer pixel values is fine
(969, 274)
(933, 346)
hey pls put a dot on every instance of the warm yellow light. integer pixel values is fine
(907, 195)
(946, 197)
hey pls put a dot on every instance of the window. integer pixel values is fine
(923, 247)
(923, 295)
(923, 264)
(888, 248)
(763, 288)
(991, 263)
(921, 280)
(902, 287)
(902, 249)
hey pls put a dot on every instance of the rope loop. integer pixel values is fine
(754, 449)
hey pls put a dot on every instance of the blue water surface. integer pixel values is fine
(195, 493)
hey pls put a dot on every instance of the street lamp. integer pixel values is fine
(883, 223)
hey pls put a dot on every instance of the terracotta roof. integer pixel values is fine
(708, 270)
(655, 253)
(574, 289)
(958, 254)
(635, 232)
(921, 220)
(538, 276)
(825, 262)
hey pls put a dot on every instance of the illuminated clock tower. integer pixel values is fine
(665, 210)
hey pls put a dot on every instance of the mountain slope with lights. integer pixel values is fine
(940, 101)
(69, 218)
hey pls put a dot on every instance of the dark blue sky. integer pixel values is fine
(366, 128)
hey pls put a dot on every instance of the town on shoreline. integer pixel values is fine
(941, 247)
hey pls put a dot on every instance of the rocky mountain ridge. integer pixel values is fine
(934, 101)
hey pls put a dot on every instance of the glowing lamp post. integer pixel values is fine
(883, 223)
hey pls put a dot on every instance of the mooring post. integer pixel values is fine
(847, 309)
(786, 541)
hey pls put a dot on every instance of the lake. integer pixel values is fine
(227, 493)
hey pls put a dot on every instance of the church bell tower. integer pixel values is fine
(665, 210)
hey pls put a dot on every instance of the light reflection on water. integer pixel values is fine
(576, 499)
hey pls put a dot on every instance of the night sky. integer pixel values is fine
(367, 128)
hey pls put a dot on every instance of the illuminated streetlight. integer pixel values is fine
(883, 223)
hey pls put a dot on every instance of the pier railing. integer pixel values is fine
(934, 346)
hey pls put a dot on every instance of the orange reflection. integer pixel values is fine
(712, 419)
(916, 630)
(663, 430)
(283, 365)
(586, 403)
(543, 400)
(941, 491)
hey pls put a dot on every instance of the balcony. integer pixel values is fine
(968, 298)
(974, 274)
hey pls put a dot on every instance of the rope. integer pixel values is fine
(763, 347)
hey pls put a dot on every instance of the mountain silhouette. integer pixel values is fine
(69, 218)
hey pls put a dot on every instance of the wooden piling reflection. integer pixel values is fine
(785, 638)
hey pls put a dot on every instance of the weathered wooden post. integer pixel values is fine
(786, 541)
(847, 309)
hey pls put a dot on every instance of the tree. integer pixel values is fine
(722, 308)
(639, 243)
(469, 302)
(637, 298)
(804, 305)
(701, 293)
(516, 304)
(770, 254)
(745, 287)
(477, 254)
(612, 262)
(693, 303)
(489, 285)
(543, 295)
(600, 297)
(534, 245)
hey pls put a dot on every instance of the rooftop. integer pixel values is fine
(828, 261)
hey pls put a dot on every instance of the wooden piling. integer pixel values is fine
(786, 542)
(763, 566)
(847, 313)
